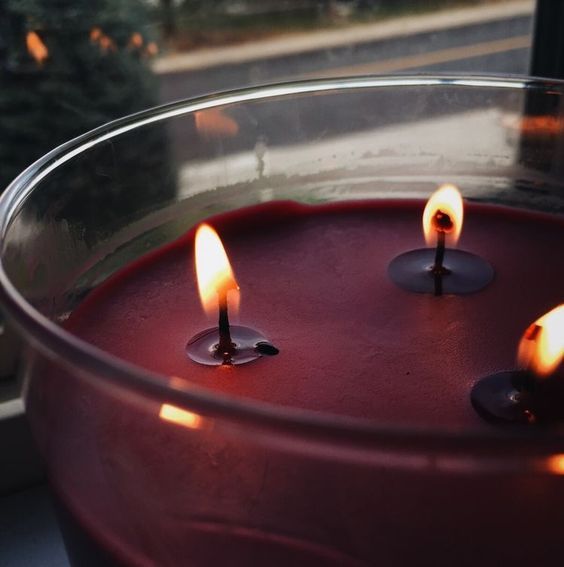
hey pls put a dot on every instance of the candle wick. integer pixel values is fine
(443, 224)
(225, 347)
(439, 253)
(438, 270)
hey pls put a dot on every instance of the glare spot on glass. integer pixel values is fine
(555, 464)
(181, 417)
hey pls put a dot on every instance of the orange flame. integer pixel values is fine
(542, 347)
(213, 270)
(36, 48)
(181, 417)
(214, 122)
(444, 212)
(555, 464)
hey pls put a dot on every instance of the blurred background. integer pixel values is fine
(67, 66)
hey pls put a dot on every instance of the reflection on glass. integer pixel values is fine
(67, 67)
(219, 45)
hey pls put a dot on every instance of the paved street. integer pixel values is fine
(490, 47)
(499, 45)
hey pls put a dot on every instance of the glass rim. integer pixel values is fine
(54, 340)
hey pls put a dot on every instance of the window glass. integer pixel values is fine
(67, 66)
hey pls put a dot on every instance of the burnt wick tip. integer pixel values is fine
(442, 222)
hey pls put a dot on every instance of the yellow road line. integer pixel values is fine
(429, 58)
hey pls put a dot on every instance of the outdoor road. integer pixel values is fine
(491, 47)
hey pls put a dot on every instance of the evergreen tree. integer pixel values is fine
(67, 66)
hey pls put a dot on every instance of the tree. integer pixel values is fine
(67, 66)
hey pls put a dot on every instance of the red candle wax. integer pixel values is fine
(314, 280)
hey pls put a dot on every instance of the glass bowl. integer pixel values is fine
(229, 478)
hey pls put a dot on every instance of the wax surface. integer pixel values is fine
(314, 280)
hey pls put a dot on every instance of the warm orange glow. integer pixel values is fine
(446, 200)
(213, 271)
(547, 125)
(181, 417)
(36, 48)
(136, 40)
(539, 126)
(542, 347)
(214, 122)
(95, 34)
(555, 464)
(152, 49)
(107, 44)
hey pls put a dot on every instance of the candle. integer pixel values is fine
(352, 344)
(358, 443)
(224, 344)
(427, 271)
(314, 279)
(533, 393)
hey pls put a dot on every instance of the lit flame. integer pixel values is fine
(555, 464)
(542, 347)
(36, 48)
(445, 204)
(213, 270)
(181, 417)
